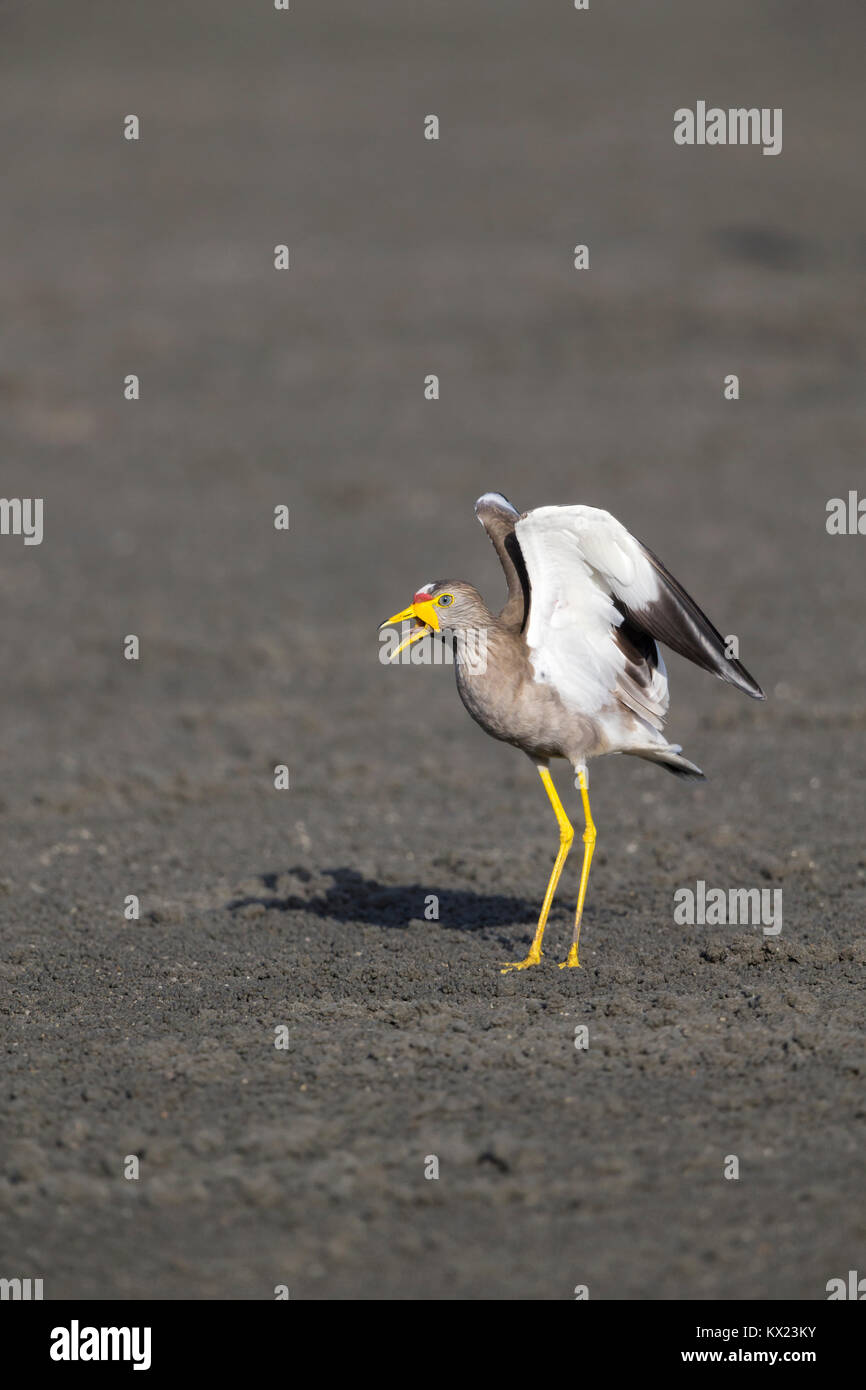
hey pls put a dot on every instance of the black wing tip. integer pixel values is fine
(707, 647)
(737, 675)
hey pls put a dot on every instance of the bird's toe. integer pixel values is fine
(571, 961)
(520, 964)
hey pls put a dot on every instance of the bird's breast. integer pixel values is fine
(510, 704)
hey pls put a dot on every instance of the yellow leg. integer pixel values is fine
(588, 847)
(566, 835)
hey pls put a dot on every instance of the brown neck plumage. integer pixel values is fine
(500, 529)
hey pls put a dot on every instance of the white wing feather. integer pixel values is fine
(578, 560)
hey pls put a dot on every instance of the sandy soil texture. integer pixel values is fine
(305, 908)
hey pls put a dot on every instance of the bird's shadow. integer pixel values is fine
(353, 898)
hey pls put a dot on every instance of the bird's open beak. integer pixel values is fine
(423, 612)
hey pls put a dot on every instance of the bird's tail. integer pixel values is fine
(670, 757)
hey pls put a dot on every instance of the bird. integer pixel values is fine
(570, 667)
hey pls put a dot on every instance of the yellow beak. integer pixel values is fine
(425, 613)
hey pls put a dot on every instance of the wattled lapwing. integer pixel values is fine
(571, 666)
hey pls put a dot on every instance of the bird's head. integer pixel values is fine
(443, 606)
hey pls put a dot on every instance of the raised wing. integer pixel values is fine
(599, 597)
(499, 518)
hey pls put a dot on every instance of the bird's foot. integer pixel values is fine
(571, 959)
(532, 959)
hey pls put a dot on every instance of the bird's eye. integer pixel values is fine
(445, 600)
